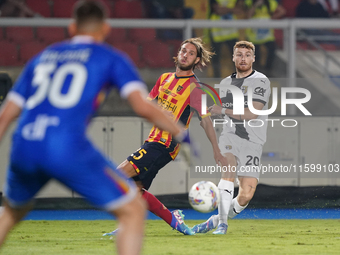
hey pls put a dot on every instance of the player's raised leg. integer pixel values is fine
(175, 219)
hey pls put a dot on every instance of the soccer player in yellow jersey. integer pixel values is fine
(178, 94)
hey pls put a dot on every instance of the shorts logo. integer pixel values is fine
(228, 147)
(179, 88)
(259, 91)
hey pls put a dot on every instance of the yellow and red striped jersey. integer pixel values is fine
(179, 95)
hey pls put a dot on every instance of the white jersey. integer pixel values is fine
(259, 85)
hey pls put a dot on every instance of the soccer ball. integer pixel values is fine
(204, 196)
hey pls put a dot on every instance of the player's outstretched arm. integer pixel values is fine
(153, 113)
(208, 127)
(8, 112)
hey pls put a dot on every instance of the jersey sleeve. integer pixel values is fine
(21, 89)
(261, 90)
(125, 77)
(155, 90)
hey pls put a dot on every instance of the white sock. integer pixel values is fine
(214, 219)
(235, 208)
(226, 189)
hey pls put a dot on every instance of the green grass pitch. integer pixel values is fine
(244, 237)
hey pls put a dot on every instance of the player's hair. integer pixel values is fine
(203, 52)
(245, 44)
(88, 11)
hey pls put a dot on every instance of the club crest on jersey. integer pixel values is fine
(259, 91)
(228, 147)
(244, 89)
(179, 88)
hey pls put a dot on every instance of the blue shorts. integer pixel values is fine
(78, 165)
(149, 159)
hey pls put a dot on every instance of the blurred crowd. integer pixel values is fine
(179, 9)
(220, 38)
(263, 38)
(16, 8)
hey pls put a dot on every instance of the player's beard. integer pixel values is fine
(242, 69)
(185, 68)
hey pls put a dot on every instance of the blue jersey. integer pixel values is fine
(60, 87)
(58, 92)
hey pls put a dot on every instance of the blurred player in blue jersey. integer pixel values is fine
(55, 97)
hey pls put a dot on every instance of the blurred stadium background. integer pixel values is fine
(307, 55)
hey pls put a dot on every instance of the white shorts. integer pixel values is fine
(248, 154)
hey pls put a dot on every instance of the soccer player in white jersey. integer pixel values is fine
(240, 142)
